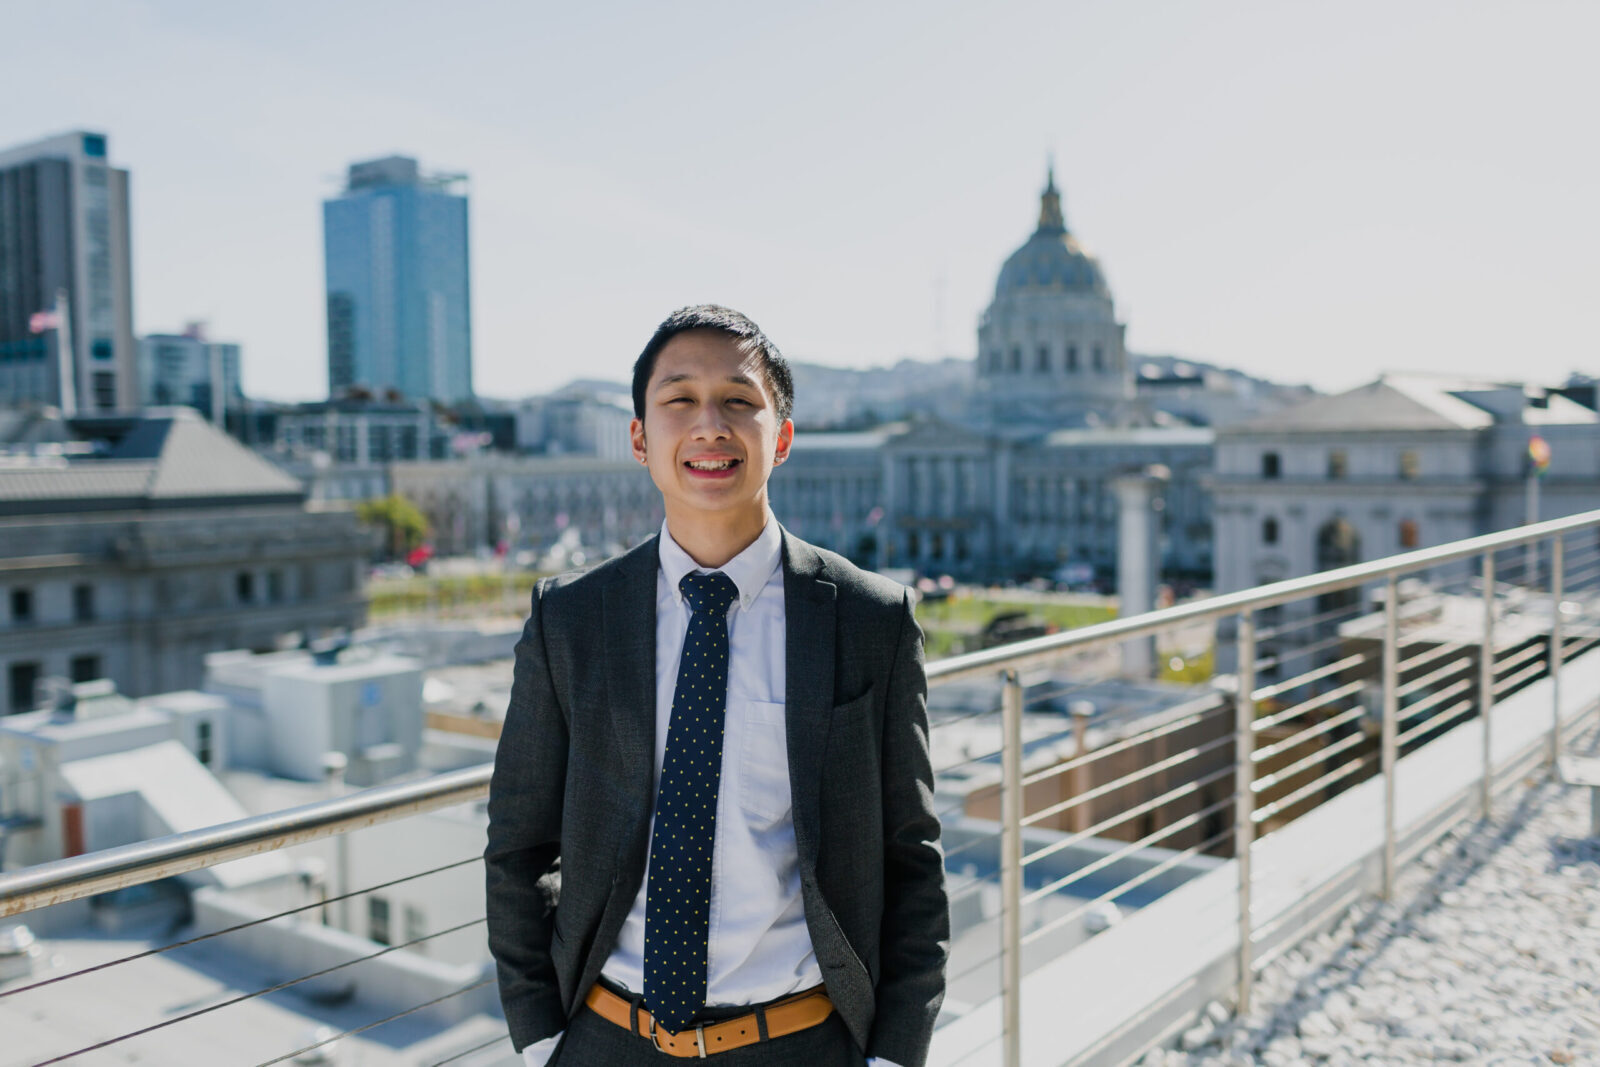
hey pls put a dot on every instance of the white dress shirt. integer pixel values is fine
(759, 948)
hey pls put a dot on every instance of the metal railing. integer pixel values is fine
(1286, 744)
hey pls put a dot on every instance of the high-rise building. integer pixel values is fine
(190, 369)
(395, 244)
(64, 231)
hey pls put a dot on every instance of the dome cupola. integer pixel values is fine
(1051, 260)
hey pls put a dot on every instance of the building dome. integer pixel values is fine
(1051, 260)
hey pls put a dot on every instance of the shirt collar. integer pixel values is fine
(750, 570)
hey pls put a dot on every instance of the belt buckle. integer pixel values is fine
(699, 1038)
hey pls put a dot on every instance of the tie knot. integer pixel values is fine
(712, 592)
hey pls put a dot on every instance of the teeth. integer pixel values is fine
(710, 465)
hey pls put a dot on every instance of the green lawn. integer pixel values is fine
(952, 625)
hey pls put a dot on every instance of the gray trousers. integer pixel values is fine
(591, 1041)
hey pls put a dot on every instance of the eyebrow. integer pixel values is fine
(734, 379)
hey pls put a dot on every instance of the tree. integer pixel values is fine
(403, 526)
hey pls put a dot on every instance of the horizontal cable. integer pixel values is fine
(1127, 779)
(1294, 711)
(969, 761)
(1123, 853)
(1531, 671)
(372, 1026)
(1123, 745)
(942, 723)
(1405, 689)
(1409, 734)
(1122, 817)
(1505, 664)
(1298, 652)
(1133, 883)
(1268, 633)
(1433, 700)
(1300, 766)
(261, 993)
(975, 967)
(240, 926)
(1267, 692)
(1333, 722)
(1449, 648)
(1263, 814)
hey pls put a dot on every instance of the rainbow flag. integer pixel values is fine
(1538, 456)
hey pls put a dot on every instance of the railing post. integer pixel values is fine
(1243, 797)
(1557, 591)
(1486, 681)
(1391, 728)
(1011, 868)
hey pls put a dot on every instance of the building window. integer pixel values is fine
(1270, 465)
(24, 678)
(274, 587)
(85, 669)
(1016, 360)
(202, 739)
(416, 924)
(245, 586)
(1338, 464)
(1409, 465)
(378, 920)
(1409, 538)
(105, 390)
(1269, 531)
(1099, 359)
(83, 603)
(22, 605)
(1044, 359)
(1072, 357)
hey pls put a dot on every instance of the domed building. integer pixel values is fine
(1050, 348)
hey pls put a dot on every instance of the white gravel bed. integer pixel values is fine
(1489, 954)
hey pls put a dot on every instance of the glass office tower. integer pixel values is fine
(395, 245)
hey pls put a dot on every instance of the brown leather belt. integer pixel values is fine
(786, 1016)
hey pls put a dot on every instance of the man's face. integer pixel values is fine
(710, 434)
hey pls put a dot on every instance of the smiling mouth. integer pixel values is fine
(711, 464)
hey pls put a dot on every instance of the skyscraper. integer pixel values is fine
(190, 368)
(64, 229)
(395, 244)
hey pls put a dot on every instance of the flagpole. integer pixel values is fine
(64, 360)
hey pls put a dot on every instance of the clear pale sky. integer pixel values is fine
(1310, 193)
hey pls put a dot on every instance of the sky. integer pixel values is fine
(1313, 193)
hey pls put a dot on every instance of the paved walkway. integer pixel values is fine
(1489, 954)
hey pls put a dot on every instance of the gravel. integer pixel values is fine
(1489, 954)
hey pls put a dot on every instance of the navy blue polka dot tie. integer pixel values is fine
(678, 901)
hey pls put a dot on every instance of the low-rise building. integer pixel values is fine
(131, 546)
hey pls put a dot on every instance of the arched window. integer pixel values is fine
(1269, 531)
(1270, 465)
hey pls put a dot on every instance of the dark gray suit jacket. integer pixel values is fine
(571, 797)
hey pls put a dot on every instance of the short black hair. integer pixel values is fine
(780, 383)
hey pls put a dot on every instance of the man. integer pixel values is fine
(716, 755)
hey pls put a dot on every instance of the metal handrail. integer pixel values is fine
(76, 877)
(1021, 655)
(82, 876)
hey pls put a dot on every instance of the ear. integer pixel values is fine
(785, 442)
(636, 438)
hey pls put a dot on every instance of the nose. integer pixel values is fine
(710, 423)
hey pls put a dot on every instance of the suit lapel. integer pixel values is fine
(809, 605)
(629, 628)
